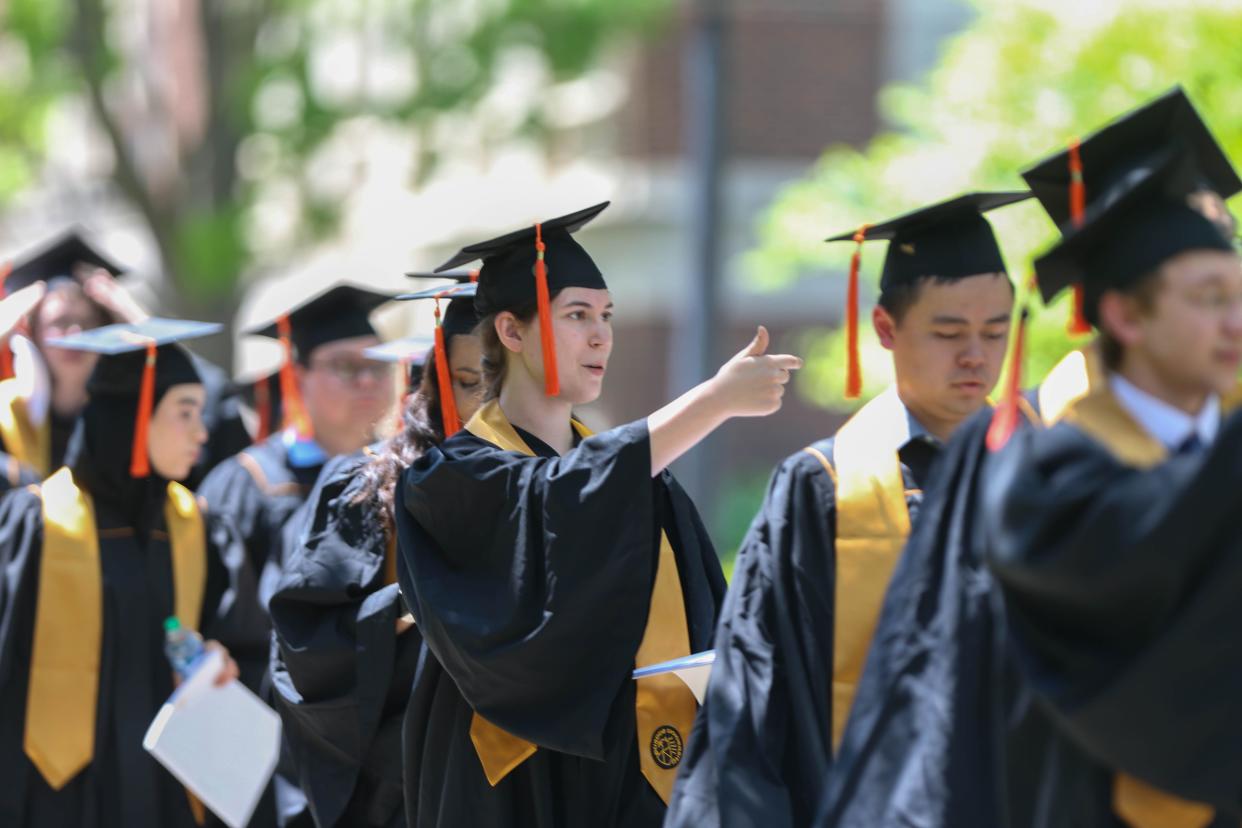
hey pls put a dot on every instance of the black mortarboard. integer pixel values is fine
(1140, 228)
(530, 266)
(458, 318)
(1128, 147)
(61, 257)
(948, 240)
(342, 311)
(141, 360)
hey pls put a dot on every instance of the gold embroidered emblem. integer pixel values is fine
(666, 747)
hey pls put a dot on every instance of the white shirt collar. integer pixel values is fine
(1168, 424)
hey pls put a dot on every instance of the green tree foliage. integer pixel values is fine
(1019, 82)
(203, 103)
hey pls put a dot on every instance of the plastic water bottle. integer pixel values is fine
(182, 646)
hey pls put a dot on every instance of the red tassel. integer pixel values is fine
(263, 402)
(448, 403)
(1005, 418)
(1078, 324)
(139, 463)
(853, 365)
(474, 275)
(6, 353)
(290, 396)
(551, 381)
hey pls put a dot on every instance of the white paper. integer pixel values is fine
(222, 743)
(694, 670)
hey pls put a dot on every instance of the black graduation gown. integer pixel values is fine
(762, 740)
(1120, 589)
(226, 431)
(531, 581)
(258, 491)
(14, 475)
(122, 785)
(949, 730)
(341, 674)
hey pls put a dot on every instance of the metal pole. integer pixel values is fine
(694, 340)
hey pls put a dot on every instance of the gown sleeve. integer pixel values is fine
(341, 673)
(530, 577)
(761, 743)
(1121, 594)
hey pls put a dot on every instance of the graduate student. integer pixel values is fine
(96, 559)
(544, 563)
(811, 572)
(345, 656)
(332, 399)
(1100, 546)
(39, 406)
(1100, 167)
(1090, 657)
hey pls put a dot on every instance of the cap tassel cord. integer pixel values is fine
(853, 366)
(291, 398)
(1005, 418)
(6, 352)
(139, 463)
(551, 381)
(1078, 209)
(448, 404)
(263, 402)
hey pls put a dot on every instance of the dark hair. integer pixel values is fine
(1144, 292)
(495, 354)
(899, 298)
(422, 428)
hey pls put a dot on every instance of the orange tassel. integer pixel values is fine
(139, 463)
(474, 275)
(1078, 210)
(853, 365)
(551, 381)
(6, 353)
(263, 402)
(448, 403)
(1005, 418)
(291, 397)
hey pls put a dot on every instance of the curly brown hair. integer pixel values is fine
(422, 428)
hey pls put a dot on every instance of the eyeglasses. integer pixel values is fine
(351, 371)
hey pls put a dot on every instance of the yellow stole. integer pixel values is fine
(29, 445)
(664, 706)
(1081, 385)
(873, 523)
(64, 664)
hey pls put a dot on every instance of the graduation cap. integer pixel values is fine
(948, 240)
(459, 318)
(140, 360)
(547, 252)
(59, 257)
(1122, 152)
(341, 312)
(1120, 242)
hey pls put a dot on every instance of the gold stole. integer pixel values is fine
(30, 446)
(64, 664)
(664, 706)
(1090, 405)
(873, 523)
